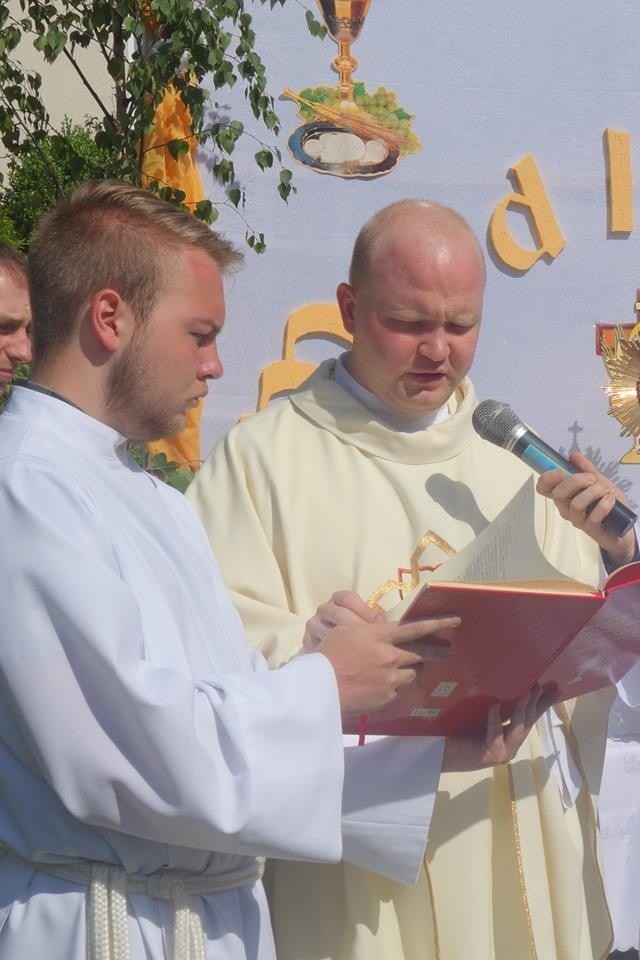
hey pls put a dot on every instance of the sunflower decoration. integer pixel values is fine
(622, 362)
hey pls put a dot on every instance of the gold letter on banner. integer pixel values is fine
(619, 183)
(533, 197)
(315, 320)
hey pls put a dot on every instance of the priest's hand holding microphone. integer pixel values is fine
(582, 495)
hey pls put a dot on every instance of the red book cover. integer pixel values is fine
(607, 646)
(556, 632)
(509, 639)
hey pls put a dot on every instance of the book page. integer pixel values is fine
(507, 549)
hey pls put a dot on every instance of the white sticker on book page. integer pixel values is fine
(425, 713)
(444, 688)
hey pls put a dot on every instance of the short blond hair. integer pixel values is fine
(107, 233)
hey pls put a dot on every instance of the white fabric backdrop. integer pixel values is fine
(488, 84)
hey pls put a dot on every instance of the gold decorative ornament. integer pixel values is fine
(414, 570)
(622, 362)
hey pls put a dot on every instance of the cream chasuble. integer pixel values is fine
(314, 495)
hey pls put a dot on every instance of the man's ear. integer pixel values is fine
(111, 319)
(346, 301)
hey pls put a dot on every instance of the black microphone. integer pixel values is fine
(500, 424)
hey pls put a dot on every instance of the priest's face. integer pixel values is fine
(163, 372)
(415, 318)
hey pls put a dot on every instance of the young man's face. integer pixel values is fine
(415, 322)
(15, 325)
(167, 364)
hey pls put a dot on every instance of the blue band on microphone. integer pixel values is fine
(538, 460)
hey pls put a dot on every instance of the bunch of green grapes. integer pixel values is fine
(384, 107)
(381, 105)
(328, 96)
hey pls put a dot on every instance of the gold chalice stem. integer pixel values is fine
(344, 20)
(345, 63)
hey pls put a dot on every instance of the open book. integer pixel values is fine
(522, 622)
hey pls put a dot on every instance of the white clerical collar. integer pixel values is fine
(382, 410)
(55, 414)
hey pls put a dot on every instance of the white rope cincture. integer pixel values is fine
(119, 913)
(98, 922)
(188, 941)
(107, 910)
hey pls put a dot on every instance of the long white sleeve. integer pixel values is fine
(130, 701)
(389, 793)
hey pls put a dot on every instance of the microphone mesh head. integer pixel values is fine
(495, 421)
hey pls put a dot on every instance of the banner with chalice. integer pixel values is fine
(349, 131)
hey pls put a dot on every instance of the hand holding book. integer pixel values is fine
(523, 622)
(373, 661)
(501, 740)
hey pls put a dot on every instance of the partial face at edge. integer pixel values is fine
(415, 321)
(15, 326)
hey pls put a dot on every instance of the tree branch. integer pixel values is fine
(34, 143)
(94, 93)
(119, 55)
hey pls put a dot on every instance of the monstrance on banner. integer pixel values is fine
(621, 355)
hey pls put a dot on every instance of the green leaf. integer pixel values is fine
(264, 158)
(316, 29)
(284, 186)
(224, 171)
(180, 479)
(256, 242)
(235, 195)
(227, 137)
(204, 210)
(178, 148)
(51, 43)
(115, 68)
(133, 25)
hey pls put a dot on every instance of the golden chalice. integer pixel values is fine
(344, 20)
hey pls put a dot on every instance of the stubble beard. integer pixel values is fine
(134, 399)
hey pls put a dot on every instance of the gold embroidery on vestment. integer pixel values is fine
(436, 935)
(414, 569)
(520, 862)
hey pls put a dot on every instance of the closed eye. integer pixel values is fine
(406, 326)
(460, 327)
(204, 339)
(10, 327)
